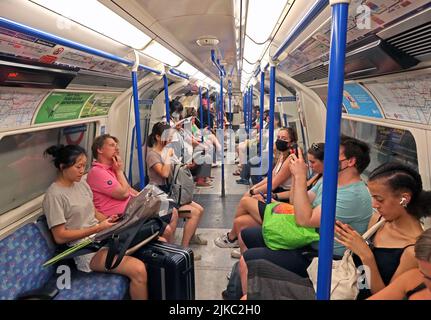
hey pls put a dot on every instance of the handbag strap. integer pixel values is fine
(370, 232)
(367, 235)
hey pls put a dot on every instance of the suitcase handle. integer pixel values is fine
(187, 270)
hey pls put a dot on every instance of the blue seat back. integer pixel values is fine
(22, 255)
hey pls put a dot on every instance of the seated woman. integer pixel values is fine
(252, 142)
(159, 167)
(353, 206)
(414, 284)
(71, 216)
(398, 197)
(255, 206)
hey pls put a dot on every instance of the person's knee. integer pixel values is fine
(197, 212)
(198, 208)
(139, 272)
(168, 231)
(244, 201)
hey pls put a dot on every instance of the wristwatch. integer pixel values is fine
(275, 196)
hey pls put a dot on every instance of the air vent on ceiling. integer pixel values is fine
(415, 42)
(319, 72)
(370, 57)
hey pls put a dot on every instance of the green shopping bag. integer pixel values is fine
(280, 230)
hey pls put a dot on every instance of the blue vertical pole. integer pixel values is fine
(250, 108)
(132, 148)
(138, 129)
(332, 142)
(271, 132)
(165, 82)
(248, 111)
(285, 120)
(230, 103)
(244, 106)
(201, 114)
(222, 137)
(262, 101)
(208, 109)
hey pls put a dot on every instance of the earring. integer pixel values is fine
(403, 202)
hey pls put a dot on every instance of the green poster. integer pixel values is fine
(61, 106)
(98, 105)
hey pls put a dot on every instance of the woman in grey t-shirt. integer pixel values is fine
(71, 216)
(159, 167)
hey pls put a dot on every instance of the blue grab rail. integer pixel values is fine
(271, 133)
(12, 25)
(138, 129)
(332, 142)
(262, 101)
(314, 11)
(9, 24)
(165, 83)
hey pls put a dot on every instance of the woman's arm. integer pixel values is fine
(164, 169)
(397, 289)
(62, 235)
(352, 240)
(99, 216)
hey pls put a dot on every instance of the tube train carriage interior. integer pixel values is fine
(71, 71)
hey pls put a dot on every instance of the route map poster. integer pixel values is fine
(17, 107)
(405, 99)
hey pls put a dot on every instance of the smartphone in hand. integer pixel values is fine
(294, 149)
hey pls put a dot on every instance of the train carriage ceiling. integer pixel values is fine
(178, 24)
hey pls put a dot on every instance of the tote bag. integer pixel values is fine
(344, 281)
(280, 231)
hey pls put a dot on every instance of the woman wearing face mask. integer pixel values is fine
(281, 180)
(285, 144)
(159, 167)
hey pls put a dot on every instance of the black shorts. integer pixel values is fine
(261, 206)
(166, 219)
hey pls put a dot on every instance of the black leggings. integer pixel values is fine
(292, 260)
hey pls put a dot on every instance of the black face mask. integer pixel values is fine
(281, 145)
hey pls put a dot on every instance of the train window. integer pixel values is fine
(386, 144)
(26, 174)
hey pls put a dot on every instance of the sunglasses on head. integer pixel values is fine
(315, 146)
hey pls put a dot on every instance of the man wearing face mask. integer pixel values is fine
(281, 182)
(353, 204)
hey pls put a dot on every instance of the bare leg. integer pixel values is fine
(169, 233)
(192, 221)
(241, 223)
(247, 206)
(130, 267)
(243, 271)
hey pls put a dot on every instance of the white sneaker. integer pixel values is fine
(224, 242)
(235, 253)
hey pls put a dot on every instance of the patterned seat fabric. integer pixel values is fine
(22, 255)
(95, 286)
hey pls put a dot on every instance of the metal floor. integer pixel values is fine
(211, 271)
